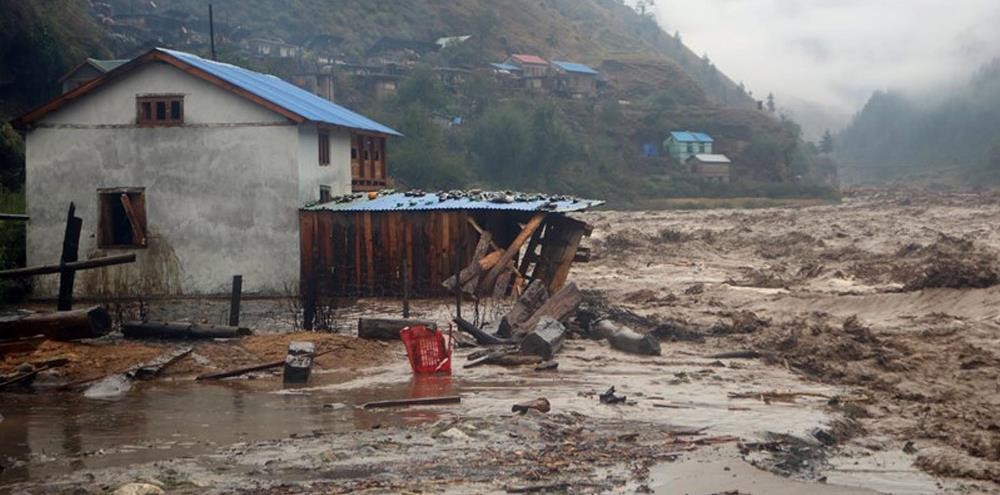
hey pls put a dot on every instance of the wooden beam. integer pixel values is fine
(425, 401)
(70, 253)
(489, 281)
(14, 217)
(77, 265)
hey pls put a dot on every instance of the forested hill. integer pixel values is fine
(954, 134)
(599, 146)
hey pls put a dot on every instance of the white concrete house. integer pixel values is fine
(198, 167)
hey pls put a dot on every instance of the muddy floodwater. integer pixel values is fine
(868, 334)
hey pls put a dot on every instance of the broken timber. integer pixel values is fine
(63, 325)
(489, 280)
(546, 339)
(529, 302)
(423, 401)
(250, 369)
(482, 337)
(76, 265)
(180, 331)
(557, 307)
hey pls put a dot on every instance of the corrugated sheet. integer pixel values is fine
(283, 94)
(707, 158)
(457, 201)
(575, 67)
(529, 59)
(691, 137)
(506, 67)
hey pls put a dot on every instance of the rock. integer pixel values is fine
(138, 489)
(454, 434)
(24, 368)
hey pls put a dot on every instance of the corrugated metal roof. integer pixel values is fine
(575, 67)
(710, 158)
(456, 200)
(691, 137)
(529, 59)
(283, 94)
(506, 67)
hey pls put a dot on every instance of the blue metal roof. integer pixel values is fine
(691, 137)
(575, 67)
(506, 67)
(456, 200)
(283, 94)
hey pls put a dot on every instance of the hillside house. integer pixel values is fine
(271, 48)
(711, 167)
(398, 50)
(87, 71)
(684, 144)
(576, 80)
(534, 71)
(198, 167)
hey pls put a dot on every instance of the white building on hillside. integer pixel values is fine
(198, 167)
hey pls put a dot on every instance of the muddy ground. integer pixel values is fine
(875, 322)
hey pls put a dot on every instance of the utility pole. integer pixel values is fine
(211, 30)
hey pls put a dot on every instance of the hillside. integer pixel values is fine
(895, 135)
(652, 83)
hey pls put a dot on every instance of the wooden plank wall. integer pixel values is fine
(362, 254)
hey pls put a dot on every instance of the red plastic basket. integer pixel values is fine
(427, 350)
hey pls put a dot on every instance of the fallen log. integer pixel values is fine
(180, 331)
(62, 325)
(735, 355)
(559, 306)
(423, 401)
(625, 339)
(388, 328)
(529, 302)
(120, 383)
(250, 369)
(482, 338)
(545, 340)
(73, 266)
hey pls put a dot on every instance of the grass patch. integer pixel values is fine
(12, 237)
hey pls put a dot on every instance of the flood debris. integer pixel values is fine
(420, 401)
(609, 397)
(388, 328)
(545, 339)
(78, 324)
(119, 383)
(540, 404)
(482, 337)
(28, 371)
(253, 368)
(625, 339)
(298, 363)
(180, 331)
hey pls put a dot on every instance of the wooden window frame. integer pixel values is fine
(135, 211)
(151, 119)
(323, 139)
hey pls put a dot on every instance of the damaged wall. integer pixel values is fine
(221, 194)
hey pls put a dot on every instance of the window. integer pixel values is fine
(354, 152)
(324, 148)
(324, 194)
(122, 220)
(163, 110)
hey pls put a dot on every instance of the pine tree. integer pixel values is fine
(826, 144)
(770, 103)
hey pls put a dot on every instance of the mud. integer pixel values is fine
(860, 355)
(890, 294)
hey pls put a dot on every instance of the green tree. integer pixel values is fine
(422, 88)
(423, 159)
(501, 144)
(770, 103)
(826, 143)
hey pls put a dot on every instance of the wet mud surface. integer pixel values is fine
(873, 324)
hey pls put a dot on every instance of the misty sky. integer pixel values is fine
(836, 52)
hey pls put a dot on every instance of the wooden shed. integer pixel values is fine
(358, 246)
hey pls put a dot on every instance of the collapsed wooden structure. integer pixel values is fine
(391, 244)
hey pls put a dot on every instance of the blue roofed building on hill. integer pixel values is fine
(575, 79)
(684, 144)
(197, 167)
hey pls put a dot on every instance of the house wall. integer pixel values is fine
(221, 192)
(337, 175)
